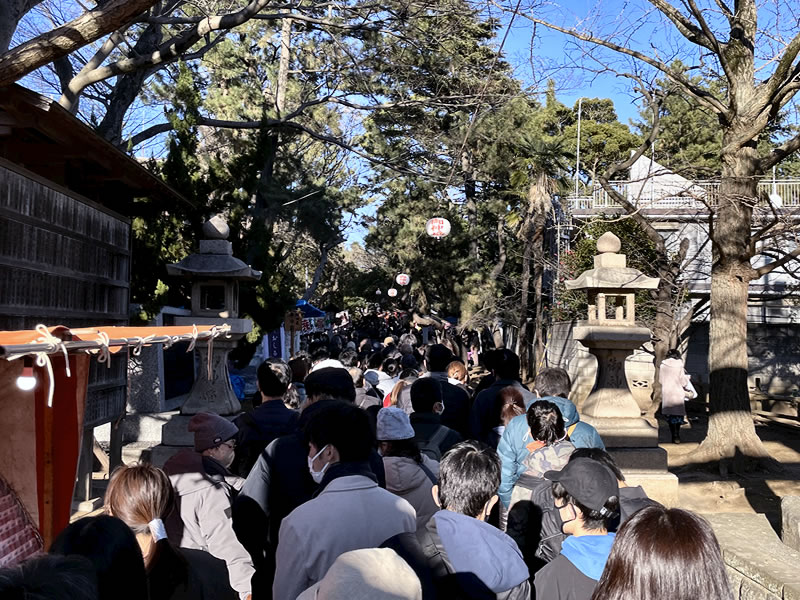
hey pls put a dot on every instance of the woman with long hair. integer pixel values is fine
(142, 497)
(664, 554)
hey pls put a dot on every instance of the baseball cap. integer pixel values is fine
(589, 482)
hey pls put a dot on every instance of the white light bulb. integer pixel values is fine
(26, 383)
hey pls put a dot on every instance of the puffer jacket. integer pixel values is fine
(405, 477)
(202, 520)
(512, 447)
(472, 560)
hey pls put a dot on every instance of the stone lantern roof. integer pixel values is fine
(611, 271)
(215, 257)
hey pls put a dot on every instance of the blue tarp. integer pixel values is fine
(309, 311)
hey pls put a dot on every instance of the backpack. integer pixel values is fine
(430, 448)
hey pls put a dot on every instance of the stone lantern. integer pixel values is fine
(611, 334)
(215, 274)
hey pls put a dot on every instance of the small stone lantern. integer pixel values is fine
(215, 275)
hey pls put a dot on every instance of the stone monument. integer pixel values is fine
(215, 274)
(611, 334)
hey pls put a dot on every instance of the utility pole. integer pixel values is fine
(578, 147)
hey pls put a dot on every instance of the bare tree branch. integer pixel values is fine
(703, 96)
(701, 36)
(59, 42)
(786, 258)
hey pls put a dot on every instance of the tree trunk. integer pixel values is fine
(11, 12)
(731, 431)
(539, 223)
(76, 34)
(127, 87)
(528, 243)
(470, 203)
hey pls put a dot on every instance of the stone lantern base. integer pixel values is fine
(208, 394)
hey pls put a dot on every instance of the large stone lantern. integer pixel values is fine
(215, 274)
(611, 334)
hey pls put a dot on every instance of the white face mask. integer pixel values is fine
(317, 475)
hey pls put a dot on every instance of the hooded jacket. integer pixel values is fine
(512, 447)
(202, 519)
(573, 574)
(407, 479)
(472, 559)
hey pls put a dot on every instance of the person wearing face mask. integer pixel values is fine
(349, 511)
(433, 438)
(586, 495)
(205, 490)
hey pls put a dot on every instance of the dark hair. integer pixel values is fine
(391, 367)
(50, 577)
(409, 374)
(409, 361)
(506, 364)
(406, 448)
(345, 427)
(319, 351)
(512, 404)
(299, 367)
(112, 548)
(553, 381)
(546, 422)
(600, 456)
(592, 519)
(469, 475)
(437, 357)
(673, 353)
(348, 358)
(408, 339)
(425, 392)
(274, 377)
(375, 360)
(330, 383)
(664, 553)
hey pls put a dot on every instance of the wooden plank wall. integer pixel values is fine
(65, 261)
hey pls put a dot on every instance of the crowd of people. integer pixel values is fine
(379, 470)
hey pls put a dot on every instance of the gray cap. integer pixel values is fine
(394, 424)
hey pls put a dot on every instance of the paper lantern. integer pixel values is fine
(402, 279)
(377, 292)
(392, 292)
(437, 227)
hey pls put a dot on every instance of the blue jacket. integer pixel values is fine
(512, 448)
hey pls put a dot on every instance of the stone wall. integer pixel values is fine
(759, 566)
(773, 350)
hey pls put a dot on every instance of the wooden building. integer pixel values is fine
(66, 198)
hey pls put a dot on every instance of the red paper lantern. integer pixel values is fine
(437, 227)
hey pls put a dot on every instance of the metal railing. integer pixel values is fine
(699, 195)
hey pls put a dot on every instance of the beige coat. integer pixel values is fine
(673, 380)
(202, 519)
(352, 512)
(405, 478)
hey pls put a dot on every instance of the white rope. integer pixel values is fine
(194, 339)
(104, 355)
(42, 359)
